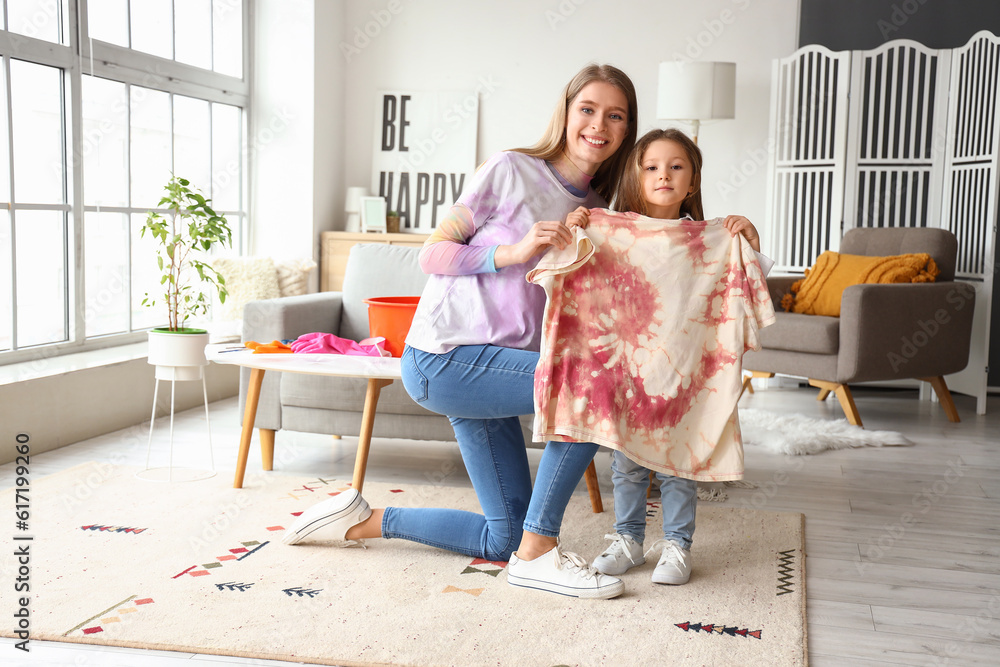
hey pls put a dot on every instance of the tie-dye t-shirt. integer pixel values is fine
(645, 327)
(466, 300)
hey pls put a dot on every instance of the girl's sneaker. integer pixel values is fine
(623, 554)
(562, 572)
(675, 563)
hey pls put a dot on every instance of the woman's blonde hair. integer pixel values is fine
(630, 197)
(553, 142)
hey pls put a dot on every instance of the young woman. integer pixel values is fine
(473, 346)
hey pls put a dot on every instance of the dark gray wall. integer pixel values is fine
(844, 25)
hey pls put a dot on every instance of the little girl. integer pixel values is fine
(662, 180)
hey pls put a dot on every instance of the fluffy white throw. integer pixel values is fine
(796, 434)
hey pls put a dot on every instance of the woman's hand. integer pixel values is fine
(542, 236)
(578, 218)
(737, 224)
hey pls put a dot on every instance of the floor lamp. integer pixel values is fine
(696, 91)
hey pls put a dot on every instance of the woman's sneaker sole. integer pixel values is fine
(602, 593)
(347, 507)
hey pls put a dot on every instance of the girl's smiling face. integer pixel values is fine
(667, 178)
(596, 124)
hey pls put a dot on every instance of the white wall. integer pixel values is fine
(520, 53)
(320, 63)
(295, 142)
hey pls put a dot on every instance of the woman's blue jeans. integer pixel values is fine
(483, 389)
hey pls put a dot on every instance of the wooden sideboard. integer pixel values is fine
(335, 247)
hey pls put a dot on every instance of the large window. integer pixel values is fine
(100, 101)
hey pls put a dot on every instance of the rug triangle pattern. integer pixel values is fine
(714, 628)
(113, 529)
(120, 612)
(247, 548)
(786, 570)
(497, 567)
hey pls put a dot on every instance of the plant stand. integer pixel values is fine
(185, 357)
(170, 473)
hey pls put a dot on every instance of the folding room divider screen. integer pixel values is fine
(898, 136)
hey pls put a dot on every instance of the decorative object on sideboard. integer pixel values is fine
(352, 207)
(392, 220)
(373, 214)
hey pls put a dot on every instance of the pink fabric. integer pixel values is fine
(324, 343)
(645, 326)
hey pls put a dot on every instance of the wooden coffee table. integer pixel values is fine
(379, 371)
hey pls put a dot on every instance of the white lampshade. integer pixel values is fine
(353, 203)
(696, 91)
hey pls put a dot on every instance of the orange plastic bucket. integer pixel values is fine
(390, 317)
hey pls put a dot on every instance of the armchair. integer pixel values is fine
(884, 332)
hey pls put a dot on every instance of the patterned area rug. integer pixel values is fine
(199, 567)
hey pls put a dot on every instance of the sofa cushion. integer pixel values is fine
(819, 293)
(247, 279)
(796, 332)
(377, 270)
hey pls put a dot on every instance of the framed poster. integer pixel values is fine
(372, 214)
(424, 153)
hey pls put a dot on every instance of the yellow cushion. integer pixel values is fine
(820, 291)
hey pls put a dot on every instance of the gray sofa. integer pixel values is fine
(314, 404)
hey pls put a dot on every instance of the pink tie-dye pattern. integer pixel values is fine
(643, 342)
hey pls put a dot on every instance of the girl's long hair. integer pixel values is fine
(553, 143)
(630, 197)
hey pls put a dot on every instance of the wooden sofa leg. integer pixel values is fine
(941, 389)
(593, 488)
(843, 395)
(335, 437)
(823, 393)
(266, 447)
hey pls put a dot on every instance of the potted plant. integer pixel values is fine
(185, 234)
(392, 222)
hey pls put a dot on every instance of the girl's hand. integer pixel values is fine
(542, 236)
(578, 218)
(737, 224)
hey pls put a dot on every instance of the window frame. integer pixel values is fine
(91, 57)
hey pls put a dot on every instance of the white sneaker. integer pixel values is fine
(562, 572)
(338, 513)
(674, 566)
(623, 554)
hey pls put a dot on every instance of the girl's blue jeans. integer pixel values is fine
(483, 389)
(678, 496)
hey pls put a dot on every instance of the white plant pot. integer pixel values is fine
(178, 355)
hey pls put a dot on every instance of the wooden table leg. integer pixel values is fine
(249, 416)
(367, 423)
(266, 447)
(593, 488)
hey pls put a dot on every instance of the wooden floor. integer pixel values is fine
(903, 544)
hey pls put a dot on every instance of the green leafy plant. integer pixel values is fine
(190, 229)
